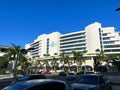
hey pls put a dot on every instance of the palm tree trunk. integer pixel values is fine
(15, 67)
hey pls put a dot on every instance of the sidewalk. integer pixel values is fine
(5, 77)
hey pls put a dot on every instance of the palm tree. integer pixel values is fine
(45, 62)
(17, 55)
(3, 62)
(100, 55)
(62, 59)
(69, 62)
(46, 55)
(74, 55)
(78, 57)
(14, 51)
(24, 64)
(54, 63)
(113, 58)
(83, 59)
(39, 62)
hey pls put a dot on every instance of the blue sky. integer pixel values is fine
(21, 21)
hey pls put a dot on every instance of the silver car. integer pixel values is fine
(92, 82)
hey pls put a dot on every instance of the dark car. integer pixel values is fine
(92, 82)
(39, 84)
(62, 73)
(89, 72)
(29, 77)
(71, 76)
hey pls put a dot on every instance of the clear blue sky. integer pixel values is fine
(21, 21)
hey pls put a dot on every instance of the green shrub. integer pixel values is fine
(80, 71)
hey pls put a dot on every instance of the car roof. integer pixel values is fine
(37, 82)
(25, 84)
(93, 75)
(34, 74)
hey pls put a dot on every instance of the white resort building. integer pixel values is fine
(93, 37)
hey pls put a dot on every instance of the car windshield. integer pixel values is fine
(88, 80)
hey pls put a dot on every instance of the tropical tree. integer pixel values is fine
(63, 59)
(3, 62)
(39, 62)
(78, 58)
(69, 61)
(17, 54)
(100, 55)
(46, 64)
(13, 52)
(74, 55)
(23, 63)
(98, 59)
(46, 55)
(114, 59)
(54, 63)
(83, 59)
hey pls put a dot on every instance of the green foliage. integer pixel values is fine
(3, 62)
(80, 71)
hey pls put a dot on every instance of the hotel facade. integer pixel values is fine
(93, 37)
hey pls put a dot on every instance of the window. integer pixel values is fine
(104, 34)
(110, 42)
(107, 38)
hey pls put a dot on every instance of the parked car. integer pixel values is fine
(39, 84)
(62, 73)
(29, 77)
(89, 72)
(46, 72)
(92, 82)
(71, 76)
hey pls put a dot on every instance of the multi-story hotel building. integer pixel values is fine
(93, 37)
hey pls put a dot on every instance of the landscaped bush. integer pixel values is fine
(80, 71)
